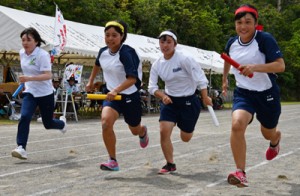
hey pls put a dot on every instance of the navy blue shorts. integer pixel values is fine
(184, 111)
(265, 104)
(129, 106)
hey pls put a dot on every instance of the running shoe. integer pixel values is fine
(110, 165)
(19, 153)
(237, 178)
(39, 120)
(272, 152)
(62, 118)
(168, 168)
(144, 140)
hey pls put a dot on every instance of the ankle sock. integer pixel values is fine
(113, 159)
(273, 146)
(143, 135)
(170, 164)
(241, 170)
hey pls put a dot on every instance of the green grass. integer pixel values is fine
(6, 121)
(290, 103)
(229, 104)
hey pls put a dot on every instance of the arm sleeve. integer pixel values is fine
(131, 62)
(195, 70)
(43, 58)
(228, 44)
(97, 62)
(270, 48)
(153, 80)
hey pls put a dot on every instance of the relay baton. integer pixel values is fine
(21, 86)
(101, 96)
(233, 63)
(213, 115)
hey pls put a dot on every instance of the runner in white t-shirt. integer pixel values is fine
(180, 105)
(258, 53)
(122, 71)
(37, 76)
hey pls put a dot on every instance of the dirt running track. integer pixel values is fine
(69, 164)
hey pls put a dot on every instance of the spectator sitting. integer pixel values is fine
(72, 89)
(56, 84)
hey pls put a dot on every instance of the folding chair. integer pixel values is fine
(14, 108)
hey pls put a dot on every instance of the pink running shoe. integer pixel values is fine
(168, 168)
(272, 152)
(110, 165)
(144, 140)
(237, 178)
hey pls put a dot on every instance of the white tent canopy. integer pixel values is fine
(84, 41)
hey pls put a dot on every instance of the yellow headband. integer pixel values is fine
(114, 23)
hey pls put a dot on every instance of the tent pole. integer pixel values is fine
(209, 89)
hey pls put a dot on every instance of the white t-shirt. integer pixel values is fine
(260, 50)
(35, 64)
(115, 71)
(181, 73)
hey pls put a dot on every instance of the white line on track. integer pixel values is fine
(96, 157)
(198, 190)
(132, 168)
(254, 167)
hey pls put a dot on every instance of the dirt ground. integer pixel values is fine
(68, 164)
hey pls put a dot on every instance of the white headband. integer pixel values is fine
(168, 33)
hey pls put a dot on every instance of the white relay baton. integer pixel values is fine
(213, 115)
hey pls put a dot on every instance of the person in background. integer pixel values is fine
(258, 53)
(72, 90)
(37, 75)
(122, 71)
(56, 82)
(179, 104)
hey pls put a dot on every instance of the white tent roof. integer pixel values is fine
(85, 40)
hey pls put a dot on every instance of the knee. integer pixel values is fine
(25, 118)
(47, 125)
(107, 125)
(238, 126)
(186, 138)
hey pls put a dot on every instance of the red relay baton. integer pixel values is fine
(232, 62)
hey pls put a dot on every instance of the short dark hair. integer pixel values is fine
(35, 34)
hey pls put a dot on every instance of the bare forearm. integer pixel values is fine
(225, 71)
(273, 67)
(126, 84)
(44, 76)
(94, 72)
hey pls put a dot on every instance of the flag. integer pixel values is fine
(73, 70)
(60, 34)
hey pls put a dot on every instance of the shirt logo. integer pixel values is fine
(32, 61)
(128, 100)
(270, 98)
(177, 69)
